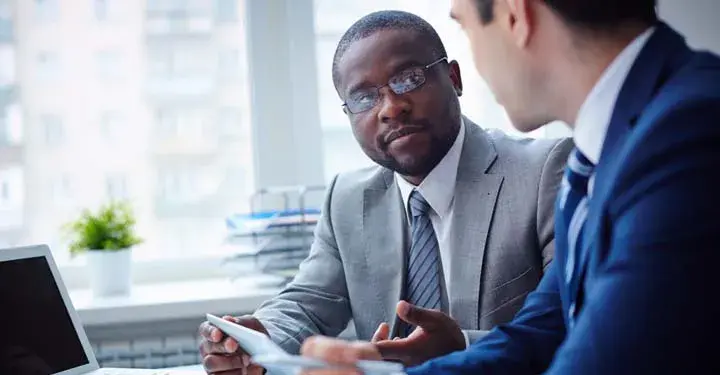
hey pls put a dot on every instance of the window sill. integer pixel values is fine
(175, 300)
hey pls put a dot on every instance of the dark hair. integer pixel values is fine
(594, 15)
(387, 20)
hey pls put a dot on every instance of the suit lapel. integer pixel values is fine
(476, 193)
(648, 73)
(384, 229)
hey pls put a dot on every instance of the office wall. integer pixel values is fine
(697, 19)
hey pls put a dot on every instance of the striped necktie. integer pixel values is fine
(423, 272)
(574, 208)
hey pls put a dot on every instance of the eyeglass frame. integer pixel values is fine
(423, 69)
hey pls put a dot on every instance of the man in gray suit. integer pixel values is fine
(455, 218)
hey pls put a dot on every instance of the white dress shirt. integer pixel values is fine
(438, 189)
(593, 119)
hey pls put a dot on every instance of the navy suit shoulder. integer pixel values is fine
(653, 232)
(652, 236)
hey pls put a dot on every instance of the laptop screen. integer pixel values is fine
(37, 335)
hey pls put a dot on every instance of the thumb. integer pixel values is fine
(418, 316)
(382, 333)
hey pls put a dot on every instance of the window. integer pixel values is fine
(11, 127)
(47, 10)
(116, 187)
(333, 17)
(48, 65)
(229, 64)
(4, 192)
(101, 10)
(11, 193)
(96, 112)
(61, 191)
(53, 130)
(7, 65)
(109, 65)
(229, 123)
(111, 123)
(187, 124)
(178, 185)
(180, 61)
(226, 10)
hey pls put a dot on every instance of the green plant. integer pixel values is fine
(111, 228)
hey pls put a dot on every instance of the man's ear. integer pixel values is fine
(456, 77)
(519, 21)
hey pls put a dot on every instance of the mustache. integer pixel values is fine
(402, 130)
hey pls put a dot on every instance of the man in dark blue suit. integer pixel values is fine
(637, 224)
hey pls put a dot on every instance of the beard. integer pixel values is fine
(419, 164)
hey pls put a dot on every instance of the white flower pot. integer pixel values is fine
(110, 272)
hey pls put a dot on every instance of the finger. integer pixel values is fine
(223, 363)
(210, 332)
(228, 346)
(395, 349)
(428, 319)
(338, 351)
(382, 333)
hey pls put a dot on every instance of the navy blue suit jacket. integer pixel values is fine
(652, 236)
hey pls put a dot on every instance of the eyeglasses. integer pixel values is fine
(365, 99)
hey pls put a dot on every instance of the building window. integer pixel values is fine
(109, 65)
(188, 124)
(226, 10)
(52, 127)
(229, 64)
(5, 192)
(7, 65)
(61, 190)
(116, 187)
(11, 192)
(178, 185)
(47, 10)
(48, 65)
(101, 10)
(111, 123)
(4, 131)
(230, 123)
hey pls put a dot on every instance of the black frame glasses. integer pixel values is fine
(365, 99)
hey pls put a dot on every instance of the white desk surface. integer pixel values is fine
(175, 300)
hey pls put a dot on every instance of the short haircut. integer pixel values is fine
(592, 15)
(387, 20)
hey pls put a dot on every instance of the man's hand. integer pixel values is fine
(222, 354)
(436, 334)
(341, 353)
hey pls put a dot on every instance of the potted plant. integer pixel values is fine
(107, 238)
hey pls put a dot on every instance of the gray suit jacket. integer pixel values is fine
(504, 199)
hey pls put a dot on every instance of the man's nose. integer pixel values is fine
(392, 105)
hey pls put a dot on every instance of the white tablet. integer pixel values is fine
(264, 352)
(276, 364)
(252, 342)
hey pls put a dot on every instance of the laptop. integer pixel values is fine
(40, 331)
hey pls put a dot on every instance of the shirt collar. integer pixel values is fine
(438, 188)
(593, 119)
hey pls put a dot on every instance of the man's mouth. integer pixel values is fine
(402, 132)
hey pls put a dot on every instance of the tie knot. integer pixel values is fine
(579, 164)
(418, 205)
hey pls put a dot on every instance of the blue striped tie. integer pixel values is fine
(574, 207)
(423, 272)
